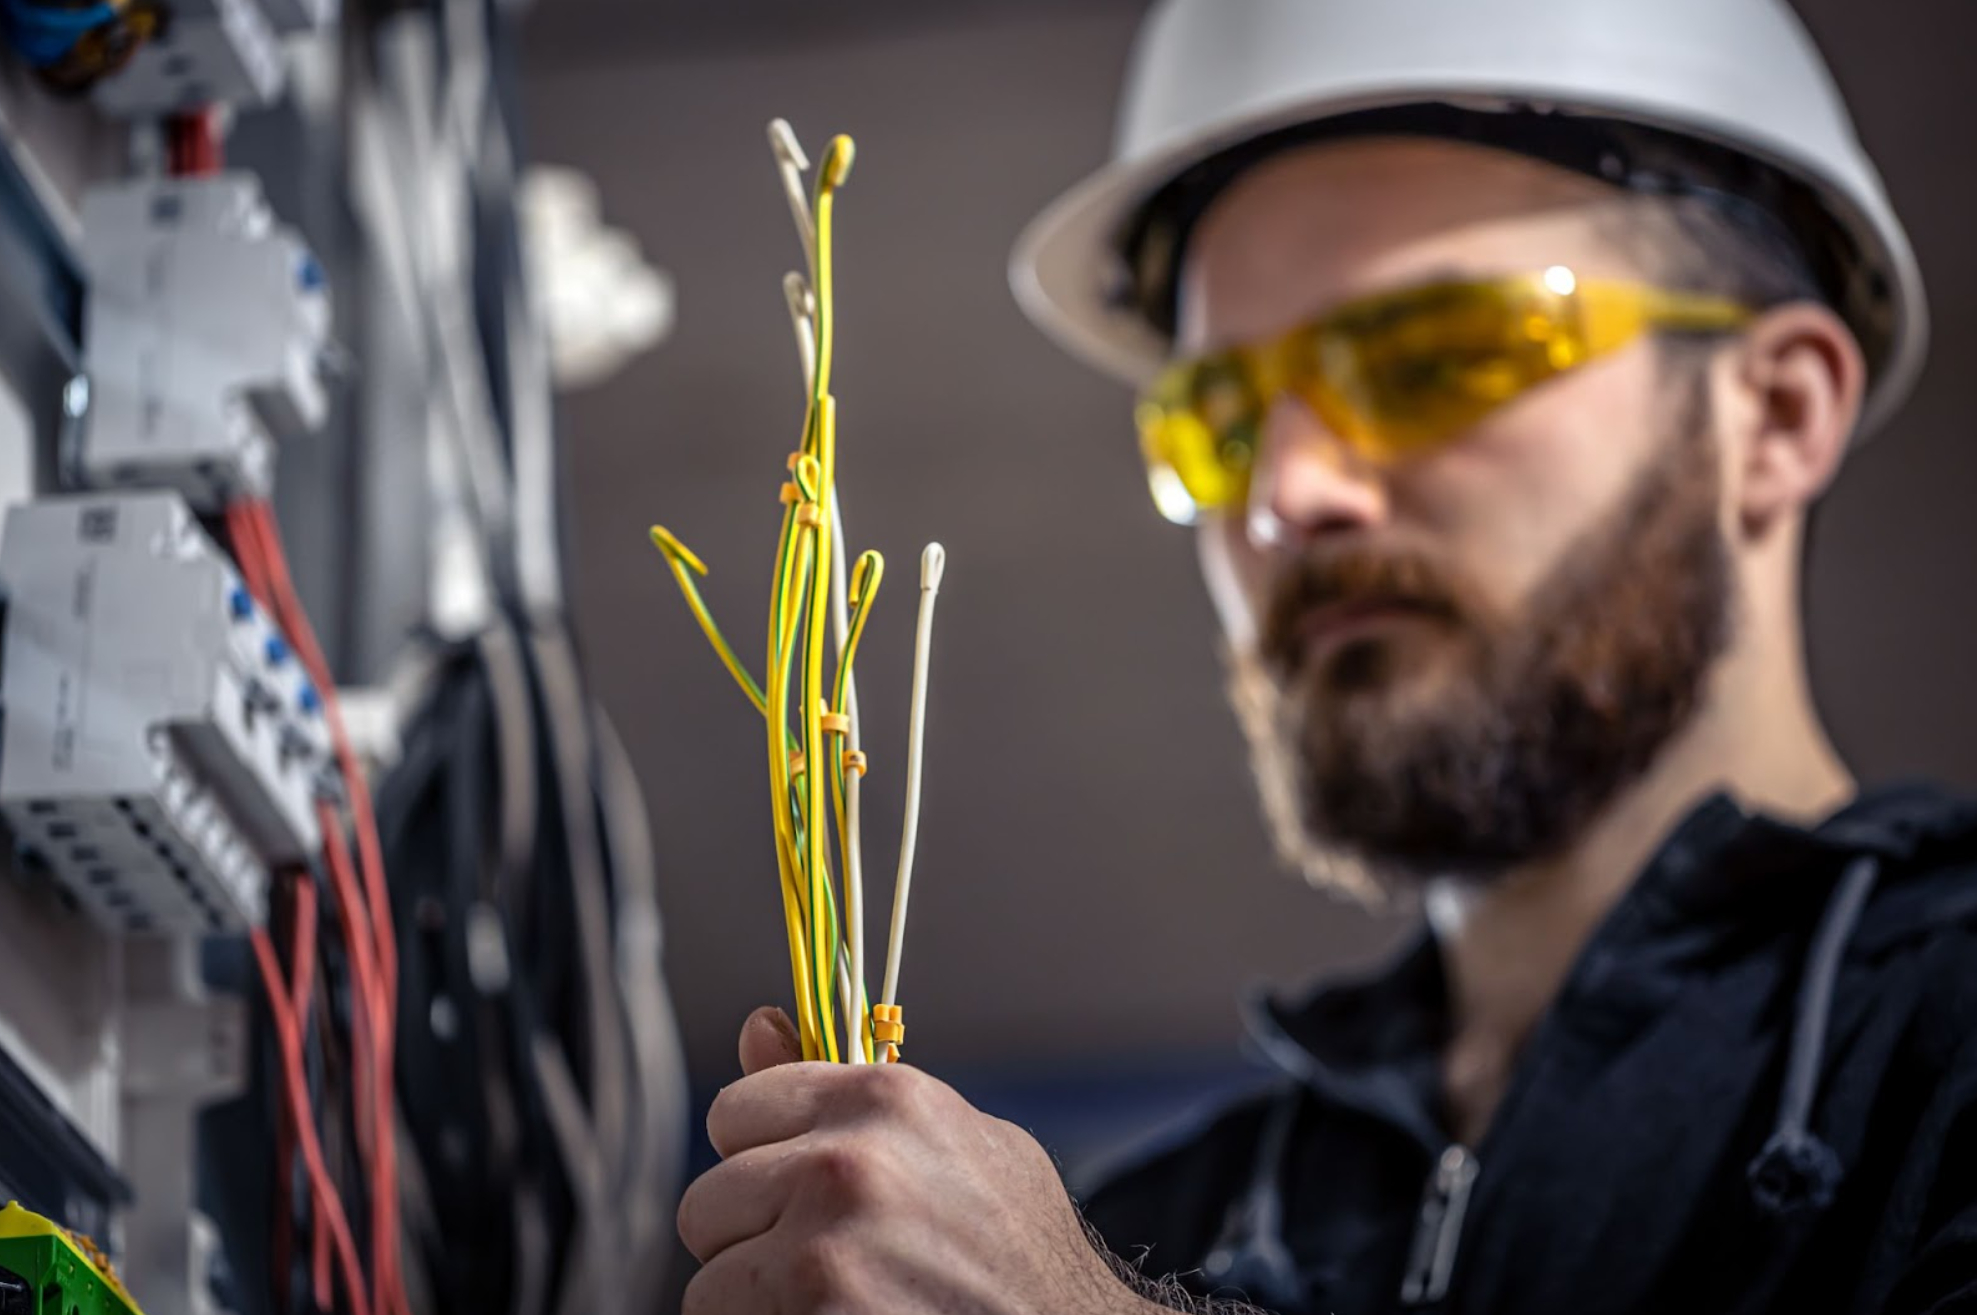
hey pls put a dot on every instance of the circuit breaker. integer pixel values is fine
(162, 746)
(207, 325)
(211, 51)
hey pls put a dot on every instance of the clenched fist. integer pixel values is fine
(876, 1189)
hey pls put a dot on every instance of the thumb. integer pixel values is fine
(768, 1038)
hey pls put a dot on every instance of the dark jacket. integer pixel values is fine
(1756, 1092)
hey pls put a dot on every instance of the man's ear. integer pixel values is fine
(1799, 380)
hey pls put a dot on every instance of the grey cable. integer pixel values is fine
(654, 1028)
(1815, 1002)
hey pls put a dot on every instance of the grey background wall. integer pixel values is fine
(1094, 889)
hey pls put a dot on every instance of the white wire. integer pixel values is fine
(848, 994)
(790, 164)
(854, 864)
(803, 318)
(933, 564)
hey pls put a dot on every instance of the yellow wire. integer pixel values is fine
(802, 583)
(865, 578)
(791, 564)
(685, 566)
(822, 434)
(807, 860)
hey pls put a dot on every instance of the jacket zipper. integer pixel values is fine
(1438, 1228)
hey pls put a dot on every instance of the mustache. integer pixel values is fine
(1356, 578)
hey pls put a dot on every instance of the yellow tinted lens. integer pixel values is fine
(1397, 374)
(1412, 371)
(1198, 434)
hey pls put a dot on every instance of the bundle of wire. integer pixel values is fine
(366, 947)
(815, 758)
(507, 981)
(363, 913)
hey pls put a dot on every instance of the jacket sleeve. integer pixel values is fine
(1158, 1215)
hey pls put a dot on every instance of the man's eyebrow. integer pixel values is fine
(1433, 276)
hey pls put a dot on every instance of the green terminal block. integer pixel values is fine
(46, 1270)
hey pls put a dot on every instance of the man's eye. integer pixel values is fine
(1223, 402)
(1402, 376)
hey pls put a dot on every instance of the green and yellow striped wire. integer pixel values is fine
(805, 717)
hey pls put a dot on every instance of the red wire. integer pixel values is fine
(192, 143)
(302, 983)
(285, 1133)
(302, 989)
(371, 942)
(329, 1207)
(283, 1241)
(373, 1076)
(294, 620)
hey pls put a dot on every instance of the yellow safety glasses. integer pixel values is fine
(1397, 374)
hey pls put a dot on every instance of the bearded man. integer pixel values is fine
(1497, 353)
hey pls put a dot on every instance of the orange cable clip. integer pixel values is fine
(889, 1029)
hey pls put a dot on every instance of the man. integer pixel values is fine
(1498, 351)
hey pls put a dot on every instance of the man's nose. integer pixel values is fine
(1308, 482)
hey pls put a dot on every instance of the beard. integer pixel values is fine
(1465, 743)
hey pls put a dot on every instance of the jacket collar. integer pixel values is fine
(1373, 1044)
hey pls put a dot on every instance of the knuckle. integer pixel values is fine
(823, 1273)
(846, 1176)
(894, 1091)
(865, 1088)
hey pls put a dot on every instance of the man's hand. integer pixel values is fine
(877, 1189)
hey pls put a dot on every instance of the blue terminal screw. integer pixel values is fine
(309, 700)
(276, 651)
(240, 602)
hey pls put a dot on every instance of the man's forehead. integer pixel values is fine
(1334, 220)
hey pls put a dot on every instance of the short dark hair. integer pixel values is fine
(1690, 243)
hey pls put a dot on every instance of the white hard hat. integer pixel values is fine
(1737, 78)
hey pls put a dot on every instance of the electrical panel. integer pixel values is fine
(207, 326)
(162, 746)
